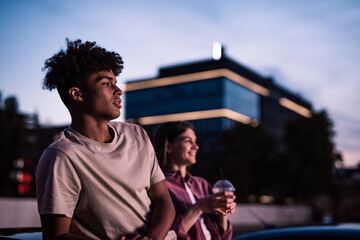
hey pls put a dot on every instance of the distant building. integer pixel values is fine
(348, 183)
(214, 95)
(25, 140)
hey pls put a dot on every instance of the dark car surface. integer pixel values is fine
(21, 233)
(332, 232)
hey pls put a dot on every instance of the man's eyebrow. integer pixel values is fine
(106, 77)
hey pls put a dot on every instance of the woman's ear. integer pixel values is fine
(75, 94)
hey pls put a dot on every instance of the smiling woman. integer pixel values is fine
(200, 213)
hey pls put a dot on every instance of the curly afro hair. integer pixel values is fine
(69, 67)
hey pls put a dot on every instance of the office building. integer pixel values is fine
(214, 95)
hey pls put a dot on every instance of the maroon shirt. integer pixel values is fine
(200, 189)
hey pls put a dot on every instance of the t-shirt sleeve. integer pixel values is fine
(57, 184)
(156, 174)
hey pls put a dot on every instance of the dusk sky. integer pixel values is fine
(310, 47)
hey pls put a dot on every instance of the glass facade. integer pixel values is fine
(241, 100)
(209, 94)
(201, 95)
(178, 98)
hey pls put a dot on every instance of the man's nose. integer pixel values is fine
(117, 91)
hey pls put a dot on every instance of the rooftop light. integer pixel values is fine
(216, 51)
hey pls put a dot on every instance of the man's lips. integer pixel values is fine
(118, 103)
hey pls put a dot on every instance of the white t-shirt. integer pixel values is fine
(101, 186)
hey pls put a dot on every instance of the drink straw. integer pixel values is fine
(223, 178)
(221, 173)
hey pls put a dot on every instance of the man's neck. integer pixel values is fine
(95, 130)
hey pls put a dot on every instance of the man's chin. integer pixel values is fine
(115, 117)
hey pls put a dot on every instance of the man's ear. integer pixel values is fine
(75, 94)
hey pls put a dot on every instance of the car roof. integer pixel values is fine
(21, 233)
(349, 231)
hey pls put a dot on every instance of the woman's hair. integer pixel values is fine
(167, 133)
(69, 67)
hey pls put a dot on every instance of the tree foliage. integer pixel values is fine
(245, 154)
(251, 159)
(11, 127)
(310, 156)
(248, 156)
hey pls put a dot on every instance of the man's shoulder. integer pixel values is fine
(64, 142)
(117, 124)
(126, 127)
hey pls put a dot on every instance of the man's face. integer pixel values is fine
(101, 96)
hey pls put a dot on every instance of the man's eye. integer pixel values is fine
(106, 84)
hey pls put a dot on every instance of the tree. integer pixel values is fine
(245, 154)
(310, 156)
(250, 159)
(11, 105)
(11, 128)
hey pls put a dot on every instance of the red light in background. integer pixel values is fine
(24, 189)
(25, 177)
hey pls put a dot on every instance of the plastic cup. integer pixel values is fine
(223, 186)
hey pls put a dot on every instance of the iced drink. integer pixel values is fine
(223, 186)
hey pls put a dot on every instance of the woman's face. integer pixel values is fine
(182, 152)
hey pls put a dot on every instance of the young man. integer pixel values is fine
(99, 179)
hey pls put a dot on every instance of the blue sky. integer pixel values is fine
(310, 47)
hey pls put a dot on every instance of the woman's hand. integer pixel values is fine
(218, 202)
(229, 209)
(223, 203)
(230, 204)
